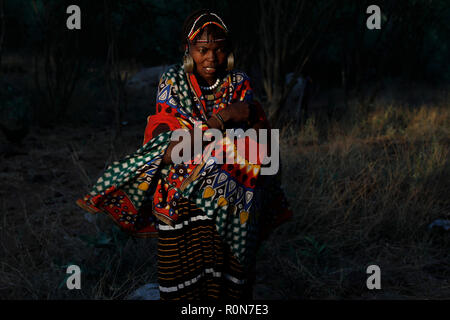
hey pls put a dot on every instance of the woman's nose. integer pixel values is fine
(211, 56)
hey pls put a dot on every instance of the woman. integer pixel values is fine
(208, 216)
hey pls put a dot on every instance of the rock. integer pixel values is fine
(150, 291)
(440, 223)
(144, 80)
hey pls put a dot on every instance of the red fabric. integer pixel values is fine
(154, 121)
(121, 209)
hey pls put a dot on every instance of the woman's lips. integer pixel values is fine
(210, 70)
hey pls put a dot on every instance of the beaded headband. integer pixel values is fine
(192, 34)
(208, 41)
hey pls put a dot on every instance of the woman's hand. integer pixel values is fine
(236, 112)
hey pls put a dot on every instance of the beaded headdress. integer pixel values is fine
(218, 22)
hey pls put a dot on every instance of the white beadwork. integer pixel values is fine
(212, 87)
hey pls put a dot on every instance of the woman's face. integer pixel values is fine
(209, 57)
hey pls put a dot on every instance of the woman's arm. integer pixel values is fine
(212, 123)
(234, 113)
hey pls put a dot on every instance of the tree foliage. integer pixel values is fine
(327, 40)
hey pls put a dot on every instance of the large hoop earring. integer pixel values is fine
(230, 61)
(188, 63)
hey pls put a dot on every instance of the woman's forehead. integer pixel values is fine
(208, 37)
(210, 45)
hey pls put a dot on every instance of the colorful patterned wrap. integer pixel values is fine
(139, 188)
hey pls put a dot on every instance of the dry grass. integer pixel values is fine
(365, 196)
(43, 231)
(363, 191)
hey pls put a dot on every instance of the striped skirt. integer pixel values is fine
(195, 264)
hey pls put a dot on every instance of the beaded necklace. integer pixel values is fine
(211, 87)
(209, 95)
